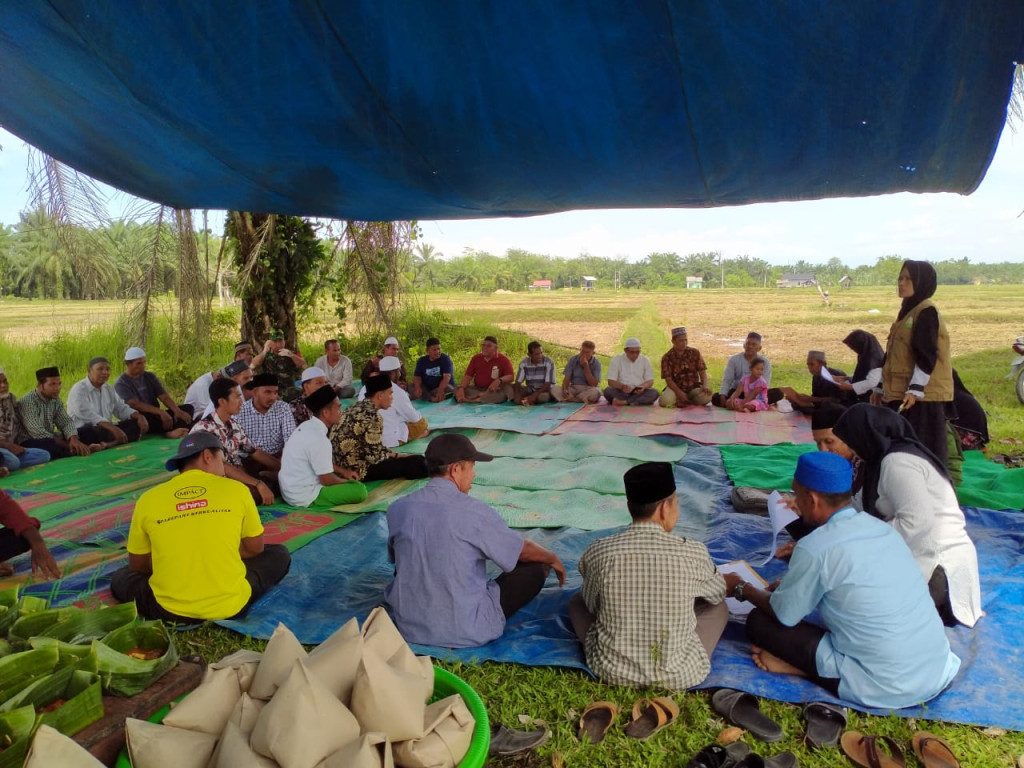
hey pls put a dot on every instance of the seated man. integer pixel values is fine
(312, 379)
(738, 366)
(308, 477)
(13, 455)
(241, 374)
(630, 377)
(93, 404)
(284, 364)
(621, 612)
(337, 368)
(402, 422)
(265, 418)
(822, 390)
(20, 533)
(882, 643)
(488, 376)
(45, 420)
(197, 396)
(440, 540)
(195, 546)
(685, 374)
(433, 377)
(243, 351)
(143, 391)
(372, 366)
(242, 460)
(536, 376)
(581, 378)
(358, 439)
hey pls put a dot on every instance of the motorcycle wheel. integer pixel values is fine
(1019, 385)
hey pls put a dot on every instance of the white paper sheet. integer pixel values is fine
(826, 375)
(742, 569)
(781, 516)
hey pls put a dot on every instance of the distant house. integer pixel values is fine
(692, 282)
(540, 285)
(796, 280)
(588, 283)
(846, 282)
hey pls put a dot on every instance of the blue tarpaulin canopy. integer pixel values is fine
(420, 109)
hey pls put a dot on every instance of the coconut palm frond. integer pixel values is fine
(1015, 109)
(147, 282)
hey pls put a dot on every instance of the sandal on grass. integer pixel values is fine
(825, 723)
(650, 716)
(863, 750)
(743, 710)
(933, 751)
(717, 756)
(595, 721)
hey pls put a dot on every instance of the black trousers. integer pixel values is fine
(11, 544)
(95, 434)
(520, 585)
(156, 426)
(794, 645)
(48, 444)
(938, 588)
(262, 572)
(411, 467)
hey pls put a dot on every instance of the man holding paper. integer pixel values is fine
(652, 606)
(882, 643)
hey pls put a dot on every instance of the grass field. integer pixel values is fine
(983, 320)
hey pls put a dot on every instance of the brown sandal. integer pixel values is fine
(863, 750)
(933, 751)
(595, 721)
(650, 716)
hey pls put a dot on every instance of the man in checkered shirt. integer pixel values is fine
(266, 419)
(652, 606)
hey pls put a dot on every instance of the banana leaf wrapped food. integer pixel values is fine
(8, 609)
(83, 626)
(15, 735)
(133, 657)
(67, 700)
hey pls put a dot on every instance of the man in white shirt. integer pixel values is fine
(266, 419)
(631, 377)
(337, 368)
(308, 477)
(93, 404)
(402, 422)
(198, 393)
(240, 373)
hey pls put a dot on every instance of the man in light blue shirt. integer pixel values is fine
(883, 644)
(738, 366)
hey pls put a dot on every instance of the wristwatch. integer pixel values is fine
(737, 591)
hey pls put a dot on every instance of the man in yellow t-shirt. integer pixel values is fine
(195, 546)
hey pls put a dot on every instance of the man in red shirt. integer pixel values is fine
(488, 377)
(20, 533)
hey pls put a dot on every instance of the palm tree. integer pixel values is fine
(425, 257)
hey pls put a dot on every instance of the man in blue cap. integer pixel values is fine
(882, 643)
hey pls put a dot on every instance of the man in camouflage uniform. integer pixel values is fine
(284, 364)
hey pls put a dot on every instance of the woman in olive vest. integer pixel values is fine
(917, 376)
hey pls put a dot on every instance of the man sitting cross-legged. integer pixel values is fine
(266, 419)
(630, 377)
(402, 422)
(12, 455)
(144, 392)
(488, 377)
(881, 642)
(243, 461)
(93, 404)
(536, 377)
(308, 477)
(20, 533)
(45, 420)
(685, 373)
(581, 377)
(195, 546)
(441, 539)
(312, 379)
(646, 589)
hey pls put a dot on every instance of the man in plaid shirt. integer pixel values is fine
(652, 606)
(266, 419)
(46, 421)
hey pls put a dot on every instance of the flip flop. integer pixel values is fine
(933, 751)
(717, 756)
(596, 719)
(742, 709)
(825, 724)
(781, 760)
(863, 750)
(651, 716)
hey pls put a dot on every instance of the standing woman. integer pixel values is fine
(917, 376)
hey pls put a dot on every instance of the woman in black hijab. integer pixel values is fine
(917, 376)
(868, 372)
(906, 485)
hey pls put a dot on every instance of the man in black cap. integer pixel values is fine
(46, 422)
(358, 439)
(308, 477)
(652, 605)
(441, 539)
(195, 546)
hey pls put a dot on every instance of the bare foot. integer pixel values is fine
(97, 447)
(6, 569)
(174, 434)
(769, 662)
(4, 471)
(525, 401)
(620, 401)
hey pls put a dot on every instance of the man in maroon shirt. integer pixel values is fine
(488, 377)
(20, 533)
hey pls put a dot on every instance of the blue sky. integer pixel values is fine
(984, 226)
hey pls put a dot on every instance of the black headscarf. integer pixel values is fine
(922, 275)
(869, 353)
(873, 432)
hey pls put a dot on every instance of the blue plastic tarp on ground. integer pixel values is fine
(343, 575)
(392, 109)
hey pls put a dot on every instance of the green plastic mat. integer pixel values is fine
(990, 485)
(534, 420)
(598, 474)
(576, 508)
(763, 466)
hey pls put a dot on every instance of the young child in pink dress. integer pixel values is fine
(752, 392)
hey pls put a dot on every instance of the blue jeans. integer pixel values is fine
(30, 457)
